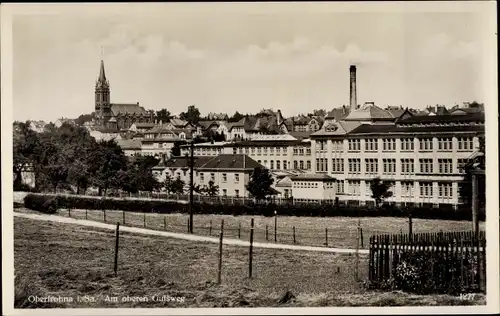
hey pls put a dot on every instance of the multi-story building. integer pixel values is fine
(420, 155)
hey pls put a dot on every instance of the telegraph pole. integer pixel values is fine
(191, 186)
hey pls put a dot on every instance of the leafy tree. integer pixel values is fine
(167, 183)
(236, 117)
(319, 112)
(199, 189)
(212, 189)
(192, 115)
(164, 115)
(176, 149)
(25, 144)
(84, 118)
(472, 165)
(380, 190)
(107, 160)
(177, 186)
(260, 183)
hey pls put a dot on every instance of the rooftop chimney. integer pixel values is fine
(353, 102)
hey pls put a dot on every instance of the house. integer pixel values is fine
(217, 116)
(231, 173)
(105, 134)
(311, 187)
(159, 141)
(37, 126)
(130, 147)
(142, 127)
(59, 122)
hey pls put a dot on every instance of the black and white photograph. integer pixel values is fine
(249, 158)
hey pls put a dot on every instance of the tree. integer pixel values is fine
(176, 149)
(177, 186)
(236, 117)
(84, 118)
(25, 144)
(163, 115)
(167, 183)
(465, 186)
(107, 160)
(260, 183)
(319, 112)
(212, 189)
(380, 190)
(192, 115)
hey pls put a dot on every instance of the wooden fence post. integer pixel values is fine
(116, 247)
(144, 217)
(104, 214)
(69, 211)
(188, 225)
(294, 241)
(362, 239)
(123, 215)
(164, 223)
(275, 226)
(210, 229)
(219, 265)
(267, 233)
(410, 227)
(239, 230)
(86, 214)
(356, 267)
(250, 253)
(326, 237)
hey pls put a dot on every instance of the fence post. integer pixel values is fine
(362, 239)
(104, 214)
(410, 227)
(144, 216)
(267, 233)
(356, 268)
(250, 253)
(294, 241)
(210, 229)
(275, 225)
(326, 237)
(69, 212)
(239, 230)
(86, 217)
(188, 225)
(123, 215)
(219, 265)
(116, 247)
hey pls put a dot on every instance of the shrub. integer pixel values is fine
(41, 203)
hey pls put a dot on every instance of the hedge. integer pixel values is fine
(37, 202)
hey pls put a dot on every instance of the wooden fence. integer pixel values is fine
(445, 262)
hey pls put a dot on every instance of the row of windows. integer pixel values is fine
(262, 150)
(445, 189)
(236, 177)
(445, 166)
(300, 151)
(300, 165)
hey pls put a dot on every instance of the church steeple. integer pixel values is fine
(102, 100)
(102, 74)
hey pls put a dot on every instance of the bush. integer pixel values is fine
(249, 208)
(42, 203)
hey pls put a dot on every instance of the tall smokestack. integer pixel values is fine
(353, 102)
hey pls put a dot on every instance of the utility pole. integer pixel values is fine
(191, 186)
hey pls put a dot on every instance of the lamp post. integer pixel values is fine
(191, 185)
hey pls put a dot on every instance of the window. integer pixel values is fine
(259, 151)
(407, 144)
(340, 186)
(445, 190)
(465, 143)
(224, 192)
(237, 193)
(445, 144)
(321, 165)
(271, 166)
(247, 150)
(353, 187)
(407, 166)
(202, 177)
(321, 145)
(308, 151)
(426, 144)
(445, 166)
(295, 151)
(389, 144)
(224, 177)
(278, 164)
(212, 177)
(371, 144)
(338, 165)
(371, 166)
(295, 164)
(234, 151)
(389, 166)
(286, 194)
(259, 161)
(271, 150)
(301, 165)
(337, 146)
(426, 189)
(461, 163)
(426, 166)
(285, 164)
(265, 150)
(354, 165)
(240, 150)
(308, 164)
(265, 163)
(407, 189)
(354, 144)
(252, 149)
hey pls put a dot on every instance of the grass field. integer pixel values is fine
(309, 231)
(74, 261)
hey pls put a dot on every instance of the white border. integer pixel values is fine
(488, 8)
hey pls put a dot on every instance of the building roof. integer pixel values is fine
(270, 143)
(124, 108)
(336, 129)
(144, 125)
(300, 135)
(337, 113)
(129, 144)
(368, 112)
(312, 177)
(471, 110)
(393, 129)
(443, 118)
(178, 122)
(207, 124)
(223, 161)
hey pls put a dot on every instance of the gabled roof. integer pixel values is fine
(338, 128)
(472, 110)
(129, 143)
(144, 125)
(178, 122)
(223, 161)
(368, 112)
(207, 124)
(156, 129)
(123, 108)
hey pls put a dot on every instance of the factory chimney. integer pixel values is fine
(353, 105)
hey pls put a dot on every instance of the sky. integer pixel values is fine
(245, 57)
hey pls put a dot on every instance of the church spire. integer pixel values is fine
(102, 74)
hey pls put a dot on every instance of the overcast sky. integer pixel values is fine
(245, 57)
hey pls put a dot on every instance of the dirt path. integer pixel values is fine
(137, 230)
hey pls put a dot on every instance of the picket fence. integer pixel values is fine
(441, 262)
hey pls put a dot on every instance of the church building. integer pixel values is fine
(116, 116)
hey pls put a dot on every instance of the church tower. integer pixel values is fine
(102, 100)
